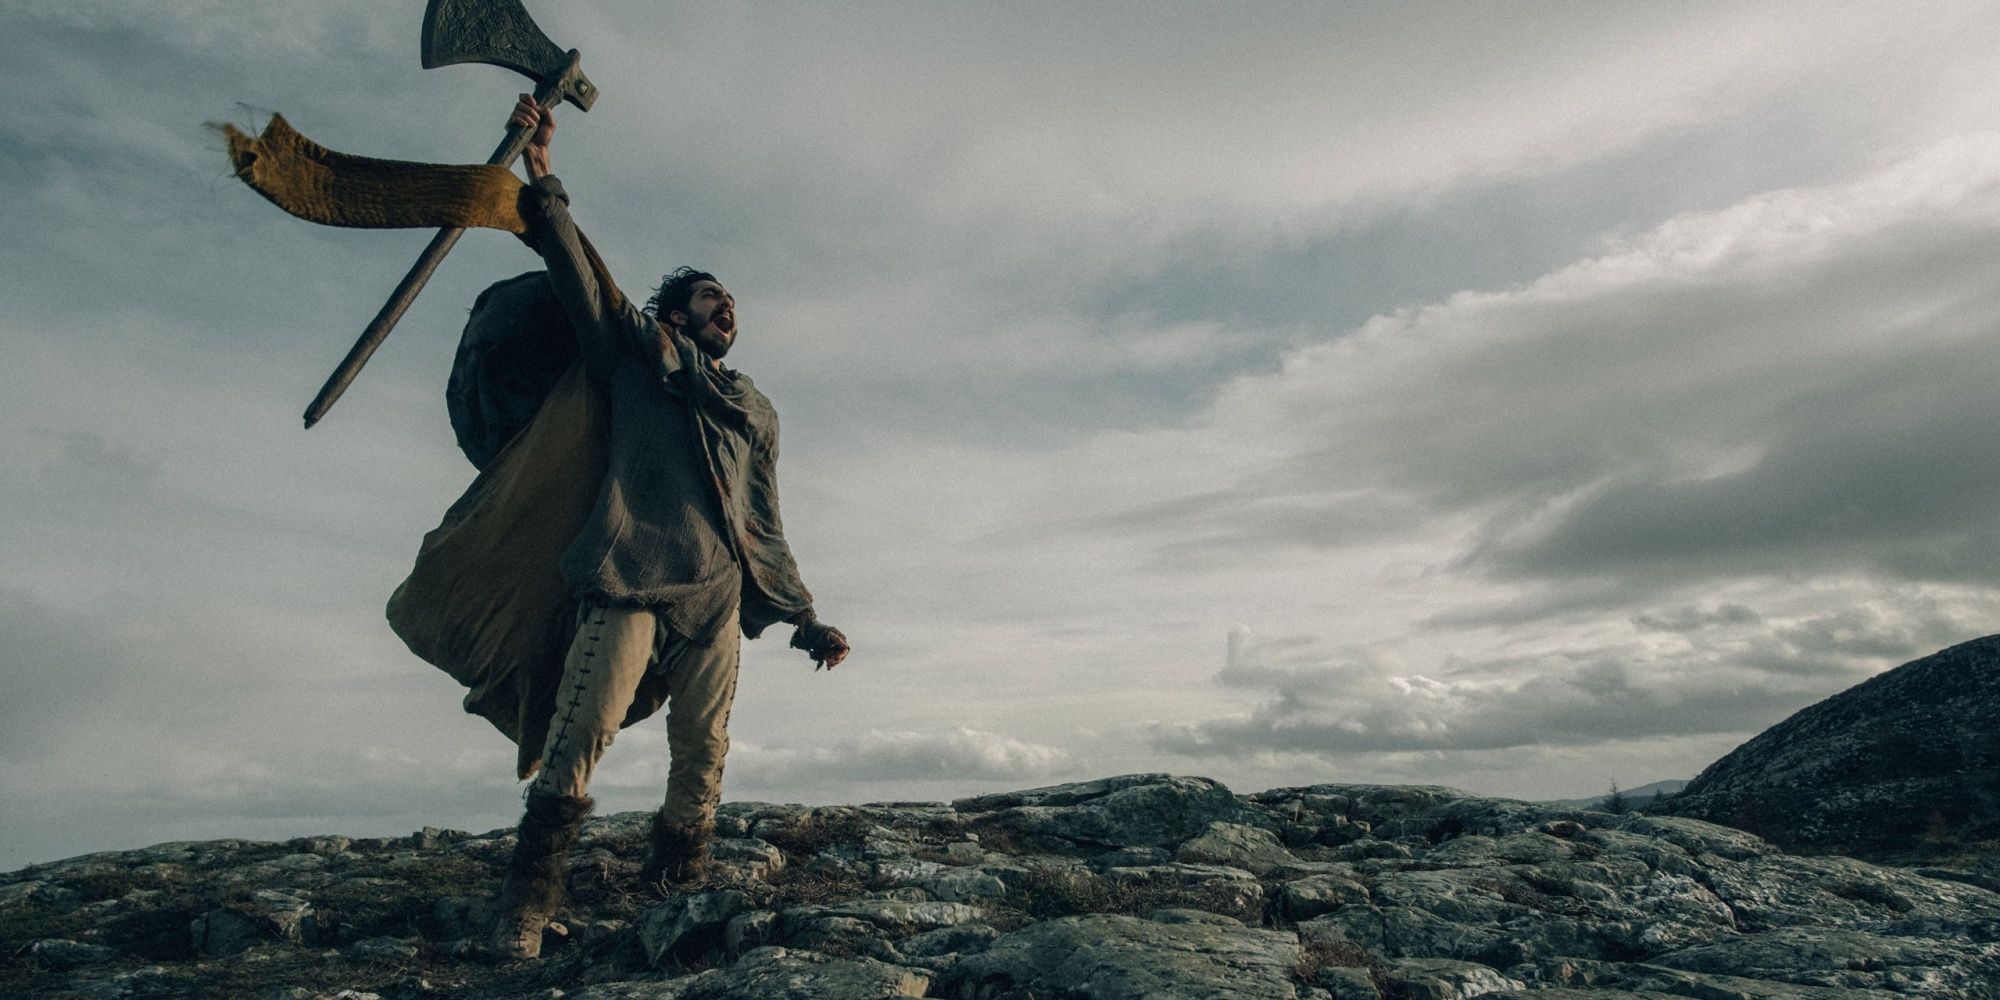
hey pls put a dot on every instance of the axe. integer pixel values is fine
(499, 33)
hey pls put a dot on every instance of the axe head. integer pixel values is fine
(500, 33)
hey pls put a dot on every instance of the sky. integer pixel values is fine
(1520, 397)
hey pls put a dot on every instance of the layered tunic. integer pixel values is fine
(686, 521)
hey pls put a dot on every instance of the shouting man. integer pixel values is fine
(682, 554)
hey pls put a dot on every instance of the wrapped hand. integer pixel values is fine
(824, 643)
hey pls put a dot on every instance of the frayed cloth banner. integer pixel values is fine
(332, 188)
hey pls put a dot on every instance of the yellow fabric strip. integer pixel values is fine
(335, 189)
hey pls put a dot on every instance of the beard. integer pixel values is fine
(710, 338)
(712, 342)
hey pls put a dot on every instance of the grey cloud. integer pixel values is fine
(1229, 531)
(891, 756)
(1207, 529)
(1553, 601)
(88, 507)
(1795, 384)
(915, 212)
(1585, 708)
(1893, 471)
(1692, 618)
(1529, 395)
(1379, 255)
(348, 791)
(1868, 634)
(1267, 288)
(128, 218)
(1738, 679)
(280, 29)
(57, 664)
(79, 463)
(830, 228)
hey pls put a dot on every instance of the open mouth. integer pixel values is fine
(726, 323)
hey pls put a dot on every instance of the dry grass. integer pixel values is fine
(813, 881)
(1046, 891)
(813, 831)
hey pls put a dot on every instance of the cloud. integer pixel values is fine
(1796, 383)
(1692, 619)
(896, 756)
(1575, 697)
(285, 29)
(1684, 487)
(58, 664)
(1682, 672)
(187, 791)
(1890, 470)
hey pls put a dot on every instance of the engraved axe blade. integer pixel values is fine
(499, 33)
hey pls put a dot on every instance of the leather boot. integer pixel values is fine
(676, 853)
(533, 889)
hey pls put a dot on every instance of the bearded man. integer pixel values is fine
(682, 553)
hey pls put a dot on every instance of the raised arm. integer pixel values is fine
(608, 325)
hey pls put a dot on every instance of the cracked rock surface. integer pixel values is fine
(1134, 886)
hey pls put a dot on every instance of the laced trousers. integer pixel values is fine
(613, 650)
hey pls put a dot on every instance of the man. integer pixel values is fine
(683, 551)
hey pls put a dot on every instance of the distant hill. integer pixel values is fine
(1642, 795)
(1902, 768)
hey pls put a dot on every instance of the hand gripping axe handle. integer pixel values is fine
(499, 33)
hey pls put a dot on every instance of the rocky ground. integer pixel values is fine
(1129, 887)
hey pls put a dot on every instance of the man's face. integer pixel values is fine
(709, 319)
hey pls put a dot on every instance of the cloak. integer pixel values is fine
(484, 601)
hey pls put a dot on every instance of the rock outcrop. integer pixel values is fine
(1140, 886)
(1904, 767)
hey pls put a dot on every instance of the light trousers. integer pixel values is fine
(614, 648)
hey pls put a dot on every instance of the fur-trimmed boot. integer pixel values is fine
(676, 853)
(533, 889)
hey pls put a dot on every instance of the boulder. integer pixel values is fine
(63, 953)
(384, 950)
(1183, 915)
(1134, 810)
(225, 932)
(1445, 979)
(896, 917)
(746, 931)
(836, 935)
(776, 974)
(754, 858)
(1251, 848)
(1110, 957)
(688, 924)
(1306, 898)
(963, 885)
(1219, 889)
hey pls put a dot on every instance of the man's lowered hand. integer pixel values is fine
(824, 643)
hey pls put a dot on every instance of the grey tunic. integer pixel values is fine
(686, 521)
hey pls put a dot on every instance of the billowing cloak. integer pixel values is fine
(484, 602)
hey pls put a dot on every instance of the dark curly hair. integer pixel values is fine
(675, 288)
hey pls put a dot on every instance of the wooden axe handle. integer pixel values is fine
(548, 94)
